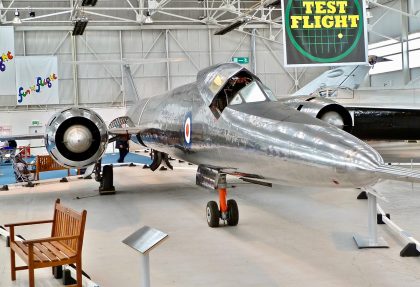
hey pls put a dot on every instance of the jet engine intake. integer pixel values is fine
(328, 111)
(76, 137)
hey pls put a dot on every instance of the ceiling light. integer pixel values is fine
(80, 26)
(272, 3)
(232, 26)
(16, 19)
(89, 2)
(148, 19)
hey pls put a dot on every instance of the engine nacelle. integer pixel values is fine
(76, 137)
(323, 109)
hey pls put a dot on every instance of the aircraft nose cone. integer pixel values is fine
(358, 163)
(77, 139)
(363, 156)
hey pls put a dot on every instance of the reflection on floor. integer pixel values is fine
(7, 176)
(286, 236)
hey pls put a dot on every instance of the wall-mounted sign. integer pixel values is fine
(240, 60)
(37, 80)
(320, 32)
(7, 61)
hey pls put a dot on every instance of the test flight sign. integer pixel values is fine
(324, 33)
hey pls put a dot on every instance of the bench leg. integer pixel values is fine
(31, 277)
(79, 273)
(12, 264)
(31, 265)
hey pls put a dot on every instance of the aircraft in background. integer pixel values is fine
(228, 123)
(330, 97)
(367, 114)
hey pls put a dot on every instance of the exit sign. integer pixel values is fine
(240, 60)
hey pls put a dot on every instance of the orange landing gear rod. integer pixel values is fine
(222, 188)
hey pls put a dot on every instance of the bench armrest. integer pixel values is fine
(29, 223)
(50, 239)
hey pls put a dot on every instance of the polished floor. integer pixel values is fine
(286, 236)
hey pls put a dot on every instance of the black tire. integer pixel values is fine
(212, 214)
(107, 177)
(233, 213)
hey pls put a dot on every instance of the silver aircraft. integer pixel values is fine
(226, 122)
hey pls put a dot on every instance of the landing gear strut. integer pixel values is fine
(228, 211)
(105, 178)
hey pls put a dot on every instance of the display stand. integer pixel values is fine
(412, 247)
(372, 240)
(144, 240)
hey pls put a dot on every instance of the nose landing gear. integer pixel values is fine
(228, 211)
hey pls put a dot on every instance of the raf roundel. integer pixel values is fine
(187, 129)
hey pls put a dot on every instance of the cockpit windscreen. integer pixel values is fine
(241, 88)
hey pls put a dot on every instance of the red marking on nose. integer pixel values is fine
(187, 130)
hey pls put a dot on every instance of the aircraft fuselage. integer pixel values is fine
(264, 138)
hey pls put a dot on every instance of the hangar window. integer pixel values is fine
(241, 88)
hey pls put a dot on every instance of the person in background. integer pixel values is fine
(13, 145)
(122, 145)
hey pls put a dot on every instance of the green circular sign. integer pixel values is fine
(322, 44)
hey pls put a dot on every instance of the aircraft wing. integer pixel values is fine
(398, 173)
(124, 131)
(21, 137)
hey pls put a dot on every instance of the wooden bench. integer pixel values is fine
(47, 163)
(63, 247)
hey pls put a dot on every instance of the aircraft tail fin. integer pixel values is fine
(130, 89)
(349, 77)
(398, 173)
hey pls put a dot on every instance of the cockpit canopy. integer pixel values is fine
(241, 88)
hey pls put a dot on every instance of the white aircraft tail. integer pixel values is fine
(347, 77)
(130, 89)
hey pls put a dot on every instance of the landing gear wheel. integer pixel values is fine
(233, 213)
(212, 214)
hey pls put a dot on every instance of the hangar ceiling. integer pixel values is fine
(134, 12)
(178, 28)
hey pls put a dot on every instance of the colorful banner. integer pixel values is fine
(36, 80)
(324, 33)
(7, 61)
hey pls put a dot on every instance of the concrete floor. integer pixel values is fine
(286, 236)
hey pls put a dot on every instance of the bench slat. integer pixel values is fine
(63, 249)
(25, 249)
(56, 251)
(51, 256)
(19, 251)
